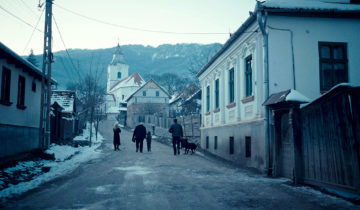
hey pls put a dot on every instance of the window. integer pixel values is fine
(247, 146)
(5, 86)
(216, 93)
(33, 86)
(215, 142)
(122, 97)
(333, 64)
(231, 145)
(21, 93)
(119, 75)
(248, 76)
(144, 93)
(207, 98)
(157, 93)
(231, 85)
(207, 142)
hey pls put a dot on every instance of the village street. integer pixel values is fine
(159, 180)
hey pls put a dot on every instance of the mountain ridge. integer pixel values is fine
(146, 60)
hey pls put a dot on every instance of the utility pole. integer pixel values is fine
(46, 72)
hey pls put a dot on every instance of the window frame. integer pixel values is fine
(208, 98)
(33, 86)
(248, 74)
(231, 85)
(21, 93)
(332, 61)
(215, 142)
(217, 84)
(5, 86)
(247, 146)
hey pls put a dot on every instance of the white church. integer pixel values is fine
(120, 86)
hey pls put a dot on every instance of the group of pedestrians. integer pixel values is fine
(140, 134)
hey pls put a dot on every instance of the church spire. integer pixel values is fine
(118, 56)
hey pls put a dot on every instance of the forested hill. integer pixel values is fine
(145, 60)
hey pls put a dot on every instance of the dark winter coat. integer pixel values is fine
(176, 130)
(117, 132)
(148, 137)
(139, 132)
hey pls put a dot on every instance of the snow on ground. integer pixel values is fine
(67, 158)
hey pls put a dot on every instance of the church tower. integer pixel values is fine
(117, 69)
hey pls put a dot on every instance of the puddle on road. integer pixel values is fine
(134, 170)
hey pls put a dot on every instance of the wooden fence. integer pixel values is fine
(330, 140)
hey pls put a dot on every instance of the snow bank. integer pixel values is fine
(67, 159)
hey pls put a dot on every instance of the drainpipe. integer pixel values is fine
(262, 24)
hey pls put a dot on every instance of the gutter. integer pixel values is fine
(262, 25)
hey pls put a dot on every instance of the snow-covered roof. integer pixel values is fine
(294, 7)
(25, 65)
(133, 80)
(290, 95)
(65, 98)
(175, 97)
(193, 95)
(311, 5)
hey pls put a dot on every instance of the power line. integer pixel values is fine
(27, 6)
(20, 19)
(67, 52)
(134, 28)
(32, 33)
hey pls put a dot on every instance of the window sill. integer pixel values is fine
(207, 113)
(233, 104)
(247, 99)
(216, 110)
(22, 107)
(6, 103)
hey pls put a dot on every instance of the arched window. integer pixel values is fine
(119, 75)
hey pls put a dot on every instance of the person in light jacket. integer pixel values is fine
(177, 132)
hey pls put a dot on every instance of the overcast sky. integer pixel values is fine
(184, 16)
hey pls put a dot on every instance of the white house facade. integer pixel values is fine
(20, 84)
(147, 100)
(306, 47)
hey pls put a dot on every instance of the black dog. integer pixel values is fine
(188, 146)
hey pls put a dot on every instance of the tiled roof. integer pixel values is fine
(64, 98)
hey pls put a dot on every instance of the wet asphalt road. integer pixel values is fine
(159, 180)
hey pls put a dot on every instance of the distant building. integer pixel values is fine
(306, 46)
(20, 95)
(63, 118)
(186, 101)
(120, 85)
(150, 99)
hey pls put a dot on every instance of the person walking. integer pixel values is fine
(148, 141)
(177, 132)
(139, 135)
(116, 139)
